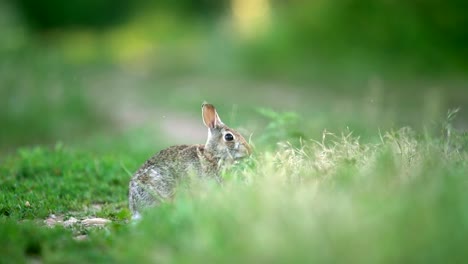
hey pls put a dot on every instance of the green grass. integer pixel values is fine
(380, 194)
(59, 180)
(400, 199)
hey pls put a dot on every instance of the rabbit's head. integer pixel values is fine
(223, 142)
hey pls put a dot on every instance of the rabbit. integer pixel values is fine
(157, 178)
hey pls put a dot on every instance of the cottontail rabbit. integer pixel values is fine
(157, 178)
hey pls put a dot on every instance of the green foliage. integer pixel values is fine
(309, 39)
(280, 126)
(200, 8)
(322, 37)
(53, 14)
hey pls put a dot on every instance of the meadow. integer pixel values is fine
(360, 153)
(397, 197)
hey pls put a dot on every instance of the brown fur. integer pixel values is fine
(157, 178)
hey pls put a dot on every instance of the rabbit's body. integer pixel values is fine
(158, 177)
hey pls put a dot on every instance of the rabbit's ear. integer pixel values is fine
(210, 116)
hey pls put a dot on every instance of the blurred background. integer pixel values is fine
(133, 72)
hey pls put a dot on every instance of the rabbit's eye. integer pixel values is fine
(228, 137)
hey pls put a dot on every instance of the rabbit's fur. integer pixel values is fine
(157, 178)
